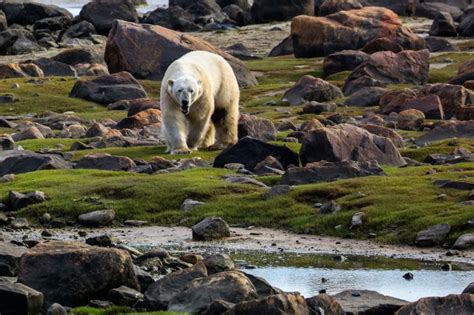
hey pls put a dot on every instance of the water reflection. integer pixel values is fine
(307, 281)
(74, 6)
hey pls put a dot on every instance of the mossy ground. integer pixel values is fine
(397, 206)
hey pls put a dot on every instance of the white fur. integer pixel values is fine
(208, 84)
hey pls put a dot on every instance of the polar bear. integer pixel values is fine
(199, 103)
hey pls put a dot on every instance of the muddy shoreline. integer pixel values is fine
(253, 240)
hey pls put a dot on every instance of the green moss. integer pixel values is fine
(442, 147)
(50, 143)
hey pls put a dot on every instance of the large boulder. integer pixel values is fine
(431, 8)
(309, 88)
(250, 152)
(72, 273)
(109, 88)
(264, 11)
(55, 68)
(29, 12)
(465, 241)
(18, 162)
(434, 235)
(105, 161)
(466, 27)
(158, 295)
(16, 298)
(368, 302)
(257, 128)
(15, 41)
(174, 17)
(329, 171)
(383, 68)
(324, 304)
(102, 14)
(401, 100)
(279, 304)
(23, 70)
(211, 228)
(443, 25)
(202, 11)
(385, 132)
(347, 142)
(452, 96)
(346, 60)
(366, 97)
(150, 116)
(10, 255)
(449, 129)
(229, 286)
(163, 46)
(346, 30)
(411, 119)
(461, 304)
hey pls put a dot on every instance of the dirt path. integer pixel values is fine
(256, 239)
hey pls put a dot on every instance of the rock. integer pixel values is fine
(56, 309)
(96, 130)
(230, 286)
(74, 131)
(18, 162)
(97, 218)
(52, 68)
(103, 14)
(203, 11)
(10, 255)
(142, 119)
(469, 289)
(250, 152)
(216, 263)
(443, 25)
(242, 52)
(269, 165)
(24, 70)
(158, 294)
(383, 68)
(77, 56)
(462, 304)
(19, 224)
(309, 88)
(109, 88)
(276, 191)
(323, 171)
(434, 235)
(324, 304)
(239, 16)
(401, 100)
(348, 30)
(17, 298)
(19, 201)
(62, 271)
(6, 143)
(257, 128)
(124, 296)
(318, 108)
(173, 17)
(366, 97)
(105, 161)
(28, 13)
(382, 44)
(273, 304)
(346, 60)
(189, 204)
(452, 96)
(210, 228)
(284, 48)
(465, 241)
(368, 302)
(440, 44)
(449, 129)
(16, 41)
(101, 241)
(138, 105)
(466, 27)
(466, 67)
(165, 46)
(244, 180)
(411, 119)
(458, 155)
(82, 29)
(385, 132)
(333, 6)
(356, 220)
(264, 11)
(431, 9)
(28, 133)
(346, 142)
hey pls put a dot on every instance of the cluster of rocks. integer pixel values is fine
(56, 275)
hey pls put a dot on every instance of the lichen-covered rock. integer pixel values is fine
(210, 228)
(309, 88)
(264, 11)
(461, 304)
(321, 36)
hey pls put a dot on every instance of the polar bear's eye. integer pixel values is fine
(191, 91)
(180, 90)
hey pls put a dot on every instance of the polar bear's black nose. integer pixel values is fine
(184, 103)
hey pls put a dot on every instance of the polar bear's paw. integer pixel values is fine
(217, 147)
(181, 151)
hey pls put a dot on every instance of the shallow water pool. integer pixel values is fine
(308, 282)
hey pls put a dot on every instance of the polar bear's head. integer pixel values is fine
(185, 91)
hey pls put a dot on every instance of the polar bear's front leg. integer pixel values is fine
(197, 131)
(175, 133)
